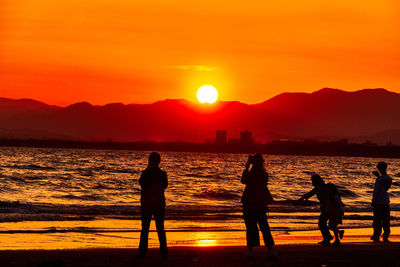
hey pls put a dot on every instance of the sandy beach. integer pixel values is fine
(349, 254)
(296, 248)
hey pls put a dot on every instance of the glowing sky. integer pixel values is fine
(130, 51)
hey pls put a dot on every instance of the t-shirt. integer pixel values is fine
(382, 185)
(153, 182)
(256, 193)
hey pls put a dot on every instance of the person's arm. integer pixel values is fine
(245, 176)
(309, 194)
(165, 180)
(142, 179)
(375, 193)
(388, 182)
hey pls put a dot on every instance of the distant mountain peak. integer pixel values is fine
(23, 101)
(80, 105)
(328, 90)
(375, 90)
(173, 101)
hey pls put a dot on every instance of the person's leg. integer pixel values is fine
(323, 227)
(333, 223)
(386, 222)
(144, 234)
(252, 235)
(162, 238)
(336, 233)
(265, 229)
(377, 222)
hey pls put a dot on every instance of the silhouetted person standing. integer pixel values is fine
(331, 209)
(255, 199)
(380, 203)
(153, 182)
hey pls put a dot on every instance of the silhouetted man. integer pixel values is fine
(380, 203)
(153, 182)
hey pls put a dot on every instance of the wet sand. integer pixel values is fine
(296, 248)
(349, 254)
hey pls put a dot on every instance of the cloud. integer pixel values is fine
(193, 67)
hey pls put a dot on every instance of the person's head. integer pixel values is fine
(316, 180)
(154, 159)
(257, 161)
(382, 166)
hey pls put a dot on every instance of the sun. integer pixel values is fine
(207, 94)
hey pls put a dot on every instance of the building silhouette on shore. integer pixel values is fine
(221, 138)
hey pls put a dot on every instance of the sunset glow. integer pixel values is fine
(207, 94)
(62, 52)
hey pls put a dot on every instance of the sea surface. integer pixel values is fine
(96, 191)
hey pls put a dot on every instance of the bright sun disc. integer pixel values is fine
(207, 94)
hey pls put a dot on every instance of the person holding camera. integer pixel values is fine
(256, 197)
(380, 203)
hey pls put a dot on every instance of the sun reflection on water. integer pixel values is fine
(205, 239)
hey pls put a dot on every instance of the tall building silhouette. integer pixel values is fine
(221, 137)
(246, 137)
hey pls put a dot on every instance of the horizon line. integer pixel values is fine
(190, 101)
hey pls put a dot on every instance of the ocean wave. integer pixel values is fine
(396, 183)
(87, 173)
(92, 197)
(197, 175)
(17, 211)
(31, 167)
(127, 171)
(220, 194)
(20, 217)
(394, 193)
(347, 193)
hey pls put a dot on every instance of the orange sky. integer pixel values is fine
(131, 51)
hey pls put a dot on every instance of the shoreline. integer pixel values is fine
(130, 240)
(277, 147)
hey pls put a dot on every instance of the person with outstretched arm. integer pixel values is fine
(153, 181)
(255, 199)
(380, 203)
(331, 209)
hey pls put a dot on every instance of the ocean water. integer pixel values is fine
(81, 191)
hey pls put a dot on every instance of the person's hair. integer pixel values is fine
(382, 165)
(316, 179)
(154, 158)
(258, 162)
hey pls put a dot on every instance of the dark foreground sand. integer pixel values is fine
(350, 254)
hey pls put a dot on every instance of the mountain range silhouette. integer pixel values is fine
(327, 114)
